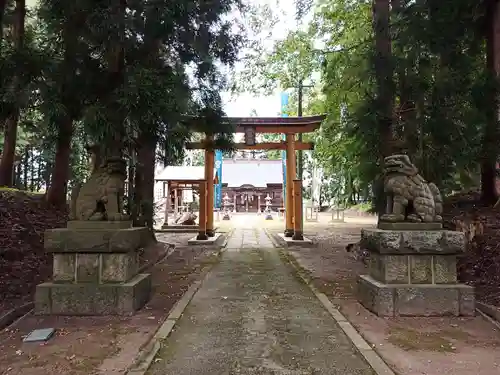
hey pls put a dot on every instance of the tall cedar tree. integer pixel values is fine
(12, 118)
(491, 135)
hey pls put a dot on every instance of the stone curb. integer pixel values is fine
(369, 354)
(170, 249)
(147, 355)
(225, 238)
(274, 239)
(11, 316)
(488, 312)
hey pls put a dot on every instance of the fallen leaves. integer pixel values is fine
(480, 266)
(23, 261)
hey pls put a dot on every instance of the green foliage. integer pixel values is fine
(291, 61)
(105, 74)
(148, 77)
(442, 89)
(363, 207)
(440, 81)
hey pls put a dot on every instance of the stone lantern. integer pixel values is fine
(268, 200)
(225, 206)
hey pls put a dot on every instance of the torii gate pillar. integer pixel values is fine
(290, 176)
(209, 177)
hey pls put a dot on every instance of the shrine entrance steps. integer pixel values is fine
(252, 315)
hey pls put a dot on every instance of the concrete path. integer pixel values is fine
(252, 316)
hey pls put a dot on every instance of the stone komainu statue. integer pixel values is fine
(101, 197)
(409, 196)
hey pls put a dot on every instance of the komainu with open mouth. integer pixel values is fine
(409, 196)
(101, 196)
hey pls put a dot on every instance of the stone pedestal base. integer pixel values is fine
(179, 229)
(414, 273)
(201, 239)
(93, 299)
(415, 300)
(95, 269)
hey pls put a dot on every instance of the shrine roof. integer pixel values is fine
(235, 172)
(258, 173)
(181, 173)
(302, 124)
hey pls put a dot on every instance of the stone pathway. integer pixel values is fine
(252, 316)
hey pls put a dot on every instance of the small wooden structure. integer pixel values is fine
(290, 126)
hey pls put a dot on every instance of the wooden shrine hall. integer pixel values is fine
(250, 126)
(244, 181)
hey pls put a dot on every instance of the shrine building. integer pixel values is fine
(210, 187)
(247, 182)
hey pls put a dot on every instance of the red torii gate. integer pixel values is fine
(290, 126)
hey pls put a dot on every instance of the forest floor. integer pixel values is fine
(24, 217)
(480, 266)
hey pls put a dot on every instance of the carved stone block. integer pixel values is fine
(413, 273)
(119, 267)
(445, 269)
(391, 269)
(420, 269)
(64, 268)
(87, 268)
(412, 241)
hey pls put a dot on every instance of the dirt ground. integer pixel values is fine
(24, 263)
(104, 345)
(411, 346)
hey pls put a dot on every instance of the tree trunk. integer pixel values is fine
(47, 173)
(32, 170)
(3, 4)
(383, 73)
(17, 175)
(491, 137)
(406, 106)
(39, 173)
(385, 91)
(9, 151)
(56, 194)
(146, 157)
(10, 132)
(25, 167)
(116, 70)
(130, 186)
(74, 196)
(136, 198)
